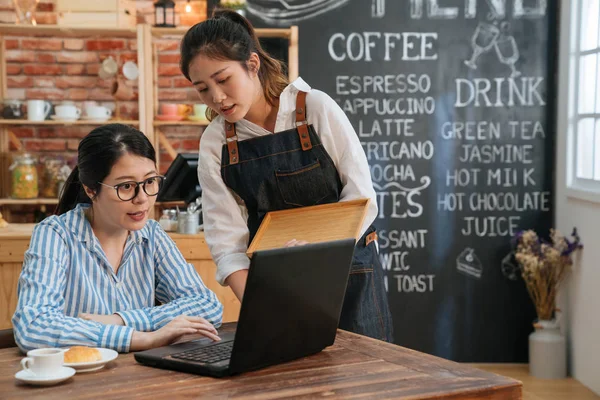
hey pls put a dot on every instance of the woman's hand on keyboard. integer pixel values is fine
(173, 331)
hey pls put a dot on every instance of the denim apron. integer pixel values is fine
(292, 169)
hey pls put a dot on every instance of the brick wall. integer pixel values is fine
(174, 88)
(58, 69)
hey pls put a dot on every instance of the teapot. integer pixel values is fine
(12, 109)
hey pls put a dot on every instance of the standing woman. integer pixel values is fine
(272, 145)
(92, 273)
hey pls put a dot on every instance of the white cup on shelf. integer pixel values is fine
(67, 112)
(38, 110)
(98, 112)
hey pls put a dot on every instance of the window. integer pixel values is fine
(584, 99)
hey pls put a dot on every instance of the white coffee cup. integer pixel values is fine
(200, 110)
(38, 110)
(43, 362)
(67, 111)
(98, 112)
(108, 68)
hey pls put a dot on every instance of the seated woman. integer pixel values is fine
(92, 273)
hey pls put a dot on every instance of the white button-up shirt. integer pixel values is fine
(225, 216)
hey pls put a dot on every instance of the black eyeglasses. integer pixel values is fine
(129, 190)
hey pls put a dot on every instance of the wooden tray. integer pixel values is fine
(314, 224)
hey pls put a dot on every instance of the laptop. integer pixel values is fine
(291, 309)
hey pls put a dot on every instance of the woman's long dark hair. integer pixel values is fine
(230, 36)
(96, 155)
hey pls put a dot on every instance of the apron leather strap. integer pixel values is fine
(371, 237)
(301, 122)
(232, 143)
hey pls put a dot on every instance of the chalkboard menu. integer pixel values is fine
(452, 101)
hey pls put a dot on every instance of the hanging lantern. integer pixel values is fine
(164, 13)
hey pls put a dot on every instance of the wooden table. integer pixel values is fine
(355, 366)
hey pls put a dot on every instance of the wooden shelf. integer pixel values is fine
(78, 122)
(34, 202)
(56, 30)
(190, 123)
(169, 203)
(16, 231)
(260, 32)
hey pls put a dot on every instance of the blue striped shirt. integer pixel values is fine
(66, 272)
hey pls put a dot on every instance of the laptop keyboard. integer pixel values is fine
(207, 355)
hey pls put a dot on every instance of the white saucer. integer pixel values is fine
(169, 117)
(86, 118)
(63, 374)
(130, 70)
(197, 118)
(57, 118)
(107, 356)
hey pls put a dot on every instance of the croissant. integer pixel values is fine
(79, 354)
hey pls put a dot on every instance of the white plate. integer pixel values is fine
(130, 70)
(107, 356)
(57, 118)
(63, 374)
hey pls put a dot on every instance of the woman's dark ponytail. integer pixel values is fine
(72, 193)
(237, 18)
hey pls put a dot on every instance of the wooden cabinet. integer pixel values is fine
(14, 240)
(195, 250)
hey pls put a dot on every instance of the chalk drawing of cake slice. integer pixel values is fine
(287, 12)
(468, 263)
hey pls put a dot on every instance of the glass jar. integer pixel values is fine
(187, 223)
(24, 177)
(165, 221)
(50, 177)
(174, 221)
(168, 220)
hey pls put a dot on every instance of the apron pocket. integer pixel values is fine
(305, 186)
